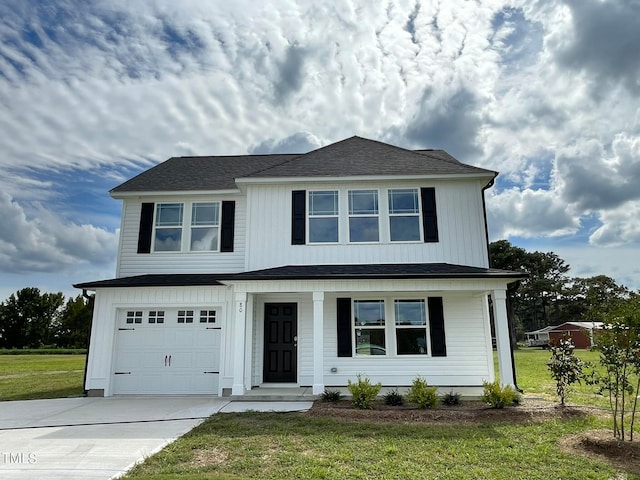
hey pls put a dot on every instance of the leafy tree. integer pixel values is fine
(72, 324)
(26, 318)
(619, 346)
(536, 301)
(565, 367)
(588, 299)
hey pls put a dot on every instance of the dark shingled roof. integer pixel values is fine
(354, 156)
(376, 271)
(199, 173)
(157, 280)
(312, 272)
(360, 156)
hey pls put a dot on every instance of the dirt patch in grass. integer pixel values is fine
(600, 445)
(469, 412)
(210, 456)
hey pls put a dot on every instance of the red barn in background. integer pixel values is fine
(580, 332)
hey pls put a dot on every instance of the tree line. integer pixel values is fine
(550, 295)
(31, 319)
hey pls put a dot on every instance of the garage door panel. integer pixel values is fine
(167, 358)
(183, 337)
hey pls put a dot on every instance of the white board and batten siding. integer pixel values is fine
(468, 362)
(151, 358)
(469, 358)
(131, 263)
(304, 359)
(462, 238)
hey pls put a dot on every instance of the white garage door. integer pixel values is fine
(172, 351)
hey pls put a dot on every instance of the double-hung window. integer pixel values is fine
(363, 216)
(369, 319)
(411, 327)
(168, 227)
(205, 226)
(404, 215)
(323, 216)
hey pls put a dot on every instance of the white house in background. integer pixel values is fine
(238, 272)
(539, 338)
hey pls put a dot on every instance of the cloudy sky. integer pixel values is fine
(91, 93)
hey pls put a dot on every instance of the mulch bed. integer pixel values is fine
(470, 412)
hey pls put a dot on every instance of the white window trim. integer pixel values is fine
(390, 326)
(309, 216)
(389, 215)
(383, 216)
(218, 226)
(378, 216)
(185, 238)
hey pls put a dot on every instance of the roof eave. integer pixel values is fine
(328, 178)
(172, 193)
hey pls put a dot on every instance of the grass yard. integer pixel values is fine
(534, 377)
(26, 377)
(297, 445)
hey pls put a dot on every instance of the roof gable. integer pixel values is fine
(358, 156)
(352, 157)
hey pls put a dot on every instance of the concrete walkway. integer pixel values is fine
(101, 438)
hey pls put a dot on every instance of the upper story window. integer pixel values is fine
(323, 216)
(203, 234)
(358, 216)
(168, 227)
(205, 225)
(404, 215)
(363, 216)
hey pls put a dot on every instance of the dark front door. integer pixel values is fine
(280, 342)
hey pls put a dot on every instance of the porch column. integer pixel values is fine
(318, 343)
(240, 301)
(503, 342)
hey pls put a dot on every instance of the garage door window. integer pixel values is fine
(156, 316)
(207, 316)
(134, 317)
(185, 316)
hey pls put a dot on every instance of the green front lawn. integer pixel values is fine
(296, 445)
(26, 377)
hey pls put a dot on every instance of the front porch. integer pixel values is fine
(318, 361)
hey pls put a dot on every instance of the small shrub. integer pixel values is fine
(393, 398)
(565, 367)
(331, 396)
(363, 392)
(499, 397)
(451, 399)
(422, 394)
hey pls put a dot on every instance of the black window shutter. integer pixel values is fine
(146, 228)
(298, 203)
(344, 327)
(429, 216)
(436, 325)
(227, 226)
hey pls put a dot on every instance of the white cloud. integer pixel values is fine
(531, 88)
(529, 213)
(47, 243)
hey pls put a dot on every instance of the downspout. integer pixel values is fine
(91, 299)
(517, 284)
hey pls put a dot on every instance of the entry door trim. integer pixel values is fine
(280, 359)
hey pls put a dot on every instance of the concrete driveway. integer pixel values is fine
(101, 438)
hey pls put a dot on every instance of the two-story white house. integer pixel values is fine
(252, 271)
